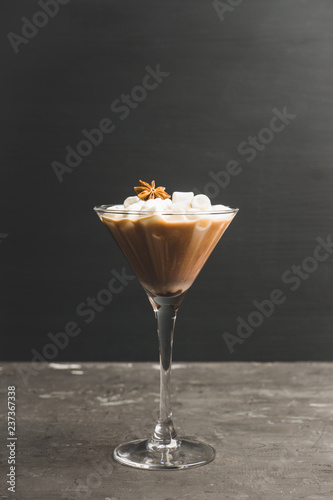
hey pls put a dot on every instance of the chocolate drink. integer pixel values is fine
(167, 252)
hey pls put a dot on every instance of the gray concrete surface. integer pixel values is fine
(271, 425)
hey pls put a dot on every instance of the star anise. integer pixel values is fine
(149, 192)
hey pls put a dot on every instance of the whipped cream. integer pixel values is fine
(181, 202)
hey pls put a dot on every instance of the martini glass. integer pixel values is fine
(166, 251)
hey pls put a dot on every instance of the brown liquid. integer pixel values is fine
(166, 256)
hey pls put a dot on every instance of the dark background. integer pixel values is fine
(225, 79)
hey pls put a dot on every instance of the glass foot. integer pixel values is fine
(180, 454)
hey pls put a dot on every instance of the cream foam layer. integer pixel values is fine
(169, 217)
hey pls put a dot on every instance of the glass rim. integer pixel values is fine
(106, 209)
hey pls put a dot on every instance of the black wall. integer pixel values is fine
(230, 73)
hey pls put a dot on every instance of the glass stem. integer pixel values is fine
(165, 312)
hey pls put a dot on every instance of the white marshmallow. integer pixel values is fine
(191, 207)
(136, 207)
(153, 205)
(182, 197)
(167, 204)
(220, 208)
(174, 218)
(116, 207)
(131, 200)
(192, 214)
(201, 201)
(179, 207)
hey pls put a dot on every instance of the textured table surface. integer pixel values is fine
(271, 426)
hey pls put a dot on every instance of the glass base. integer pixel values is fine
(180, 454)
